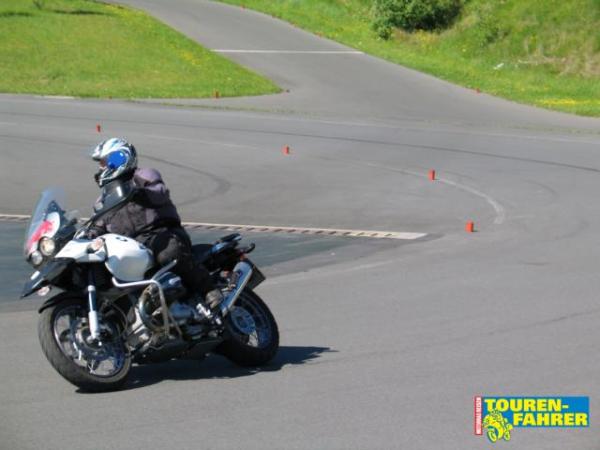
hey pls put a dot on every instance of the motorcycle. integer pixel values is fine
(117, 308)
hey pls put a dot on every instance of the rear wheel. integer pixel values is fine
(65, 337)
(252, 337)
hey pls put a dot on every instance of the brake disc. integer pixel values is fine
(84, 342)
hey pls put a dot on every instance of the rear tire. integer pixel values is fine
(258, 347)
(61, 351)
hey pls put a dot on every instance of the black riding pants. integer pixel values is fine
(172, 243)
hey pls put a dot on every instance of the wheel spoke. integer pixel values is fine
(65, 336)
(256, 340)
(72, 335)
(261, 334)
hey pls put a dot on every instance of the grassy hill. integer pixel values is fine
(542, 52)
(90, 49)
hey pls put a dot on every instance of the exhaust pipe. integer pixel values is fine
(242, 272)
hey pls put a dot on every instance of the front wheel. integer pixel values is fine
(93, 366)
(252, 336)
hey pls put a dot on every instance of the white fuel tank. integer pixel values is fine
(127, 259)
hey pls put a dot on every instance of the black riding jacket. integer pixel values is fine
(148, 210)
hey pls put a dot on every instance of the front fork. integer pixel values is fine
(93, 307)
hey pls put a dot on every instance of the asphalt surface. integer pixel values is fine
(384, 344)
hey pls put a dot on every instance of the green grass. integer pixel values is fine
(90, 49)
(540, 52)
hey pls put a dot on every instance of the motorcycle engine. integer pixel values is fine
(148, 321)
(148, 324)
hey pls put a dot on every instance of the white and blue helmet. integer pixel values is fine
(117, 157)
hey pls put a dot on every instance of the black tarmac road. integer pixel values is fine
(384, 342)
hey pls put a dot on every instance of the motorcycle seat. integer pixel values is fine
(201, 252)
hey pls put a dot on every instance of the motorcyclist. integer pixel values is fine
(150, 217)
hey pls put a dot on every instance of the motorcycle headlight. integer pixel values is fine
(36, 258)
(47, 246)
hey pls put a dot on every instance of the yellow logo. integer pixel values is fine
(497, 417)
(496, 426)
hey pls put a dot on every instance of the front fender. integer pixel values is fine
(59, 298)
(46, 275)
(257, 276)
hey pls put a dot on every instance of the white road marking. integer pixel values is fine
(498, 208)
(57, 97)
(292, 52)
(310, 231)
(370, 234)
(14, 218)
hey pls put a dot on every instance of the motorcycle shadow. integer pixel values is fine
(215, 366)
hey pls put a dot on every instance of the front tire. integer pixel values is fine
(64, 337)
(252, 335)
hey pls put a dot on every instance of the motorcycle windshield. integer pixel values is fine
(46, 220)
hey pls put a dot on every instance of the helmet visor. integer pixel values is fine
(113, 160)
